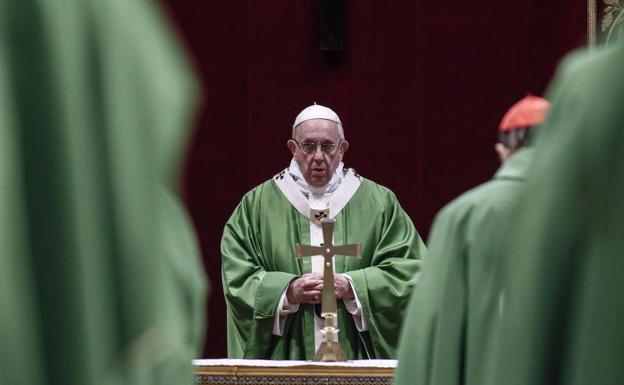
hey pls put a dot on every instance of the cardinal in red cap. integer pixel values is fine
(453, 315)
(517, 125)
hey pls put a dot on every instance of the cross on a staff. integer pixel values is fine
(328, 305)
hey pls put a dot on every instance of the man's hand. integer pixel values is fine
(306, 289)
(343, 287)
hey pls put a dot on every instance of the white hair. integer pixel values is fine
(338, 128)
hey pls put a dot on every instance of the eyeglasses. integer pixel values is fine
(310, 147)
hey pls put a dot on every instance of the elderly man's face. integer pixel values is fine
(318, 150)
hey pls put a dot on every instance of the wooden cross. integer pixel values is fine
(329, 349)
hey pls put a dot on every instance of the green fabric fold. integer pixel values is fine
(94, 106)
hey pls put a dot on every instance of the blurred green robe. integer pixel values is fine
(563, 318)
(186, 290)
(454, 311)
(258, 249)
(95, 101)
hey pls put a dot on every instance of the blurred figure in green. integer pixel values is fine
(452, 315)
(95, 101)
(563, 317)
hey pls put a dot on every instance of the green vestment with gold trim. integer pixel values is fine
(258, 249)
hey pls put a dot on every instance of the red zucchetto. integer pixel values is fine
(527, 112)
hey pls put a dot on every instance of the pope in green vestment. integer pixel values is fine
(95, 101)
(258, 249)
(564, 268)
(454, 313)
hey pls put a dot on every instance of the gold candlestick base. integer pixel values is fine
(330, 350)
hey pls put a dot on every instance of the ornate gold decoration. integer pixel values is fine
(609, 15)
(591, 23)
(299, 375)
(613, 15)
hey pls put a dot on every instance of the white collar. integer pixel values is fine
(340, 197)
(330, 187)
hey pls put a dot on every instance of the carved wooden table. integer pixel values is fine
(265, 372)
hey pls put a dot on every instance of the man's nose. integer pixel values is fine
(318, 153)
(319, 156)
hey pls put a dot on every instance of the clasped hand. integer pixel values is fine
(309, 288)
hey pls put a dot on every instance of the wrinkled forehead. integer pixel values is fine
(317, 130)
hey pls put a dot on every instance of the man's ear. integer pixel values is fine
(502, 151)
(344, 146)
(292, 146)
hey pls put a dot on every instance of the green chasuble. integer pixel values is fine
(453, 313)
(563, 318)
(95, 100)
(258, 249)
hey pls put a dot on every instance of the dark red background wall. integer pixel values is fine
(420, 87)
